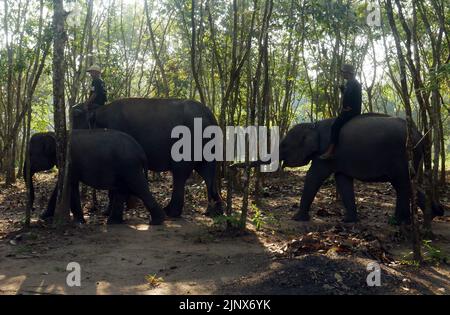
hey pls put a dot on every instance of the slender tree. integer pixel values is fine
(410, 127)
(62, 136)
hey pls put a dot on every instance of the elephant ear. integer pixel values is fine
(311, 144)
(79, 116)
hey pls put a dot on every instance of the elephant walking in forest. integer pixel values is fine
(151, 122)
(103, 159)
(371, 149)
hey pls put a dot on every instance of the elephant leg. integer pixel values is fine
(345, 188)
(110, 206)
(175, 206)
(75, 203)
(402, 208)
(138, 186)
(315, 177)
(51, 205)
(208, 172)
(116, 205)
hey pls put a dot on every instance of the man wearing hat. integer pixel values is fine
(351, 107)
(97, 95)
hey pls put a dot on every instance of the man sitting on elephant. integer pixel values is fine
(351, 107)
(98, 94)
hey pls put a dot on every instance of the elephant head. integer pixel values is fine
(42, 156)
(299, 146)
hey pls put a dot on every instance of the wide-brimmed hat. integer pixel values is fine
(348, 68)
(94, 68)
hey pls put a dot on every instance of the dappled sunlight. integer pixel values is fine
(140, 227)
(192, 256)
(104, 287)
(10, 285)
(30, 284)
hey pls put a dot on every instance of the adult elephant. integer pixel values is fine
(103, 159)
(150, 122)
(371, 149)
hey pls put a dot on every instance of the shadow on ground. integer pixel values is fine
(189, 256)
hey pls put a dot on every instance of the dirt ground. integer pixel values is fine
(193, 254)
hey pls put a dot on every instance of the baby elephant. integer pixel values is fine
(103, 159)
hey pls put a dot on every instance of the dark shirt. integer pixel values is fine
(98, 87)
(352, 97)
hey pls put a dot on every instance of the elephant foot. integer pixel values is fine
(437, 210)
(214, 209)
(350, 218)
(173, 212)
(399, 220)
(405, 220)
(157, 216)
(113, 220)
(301, 216)
(46, 215)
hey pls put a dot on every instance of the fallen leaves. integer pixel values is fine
(153, 280)
(337, 241)
(331, 247)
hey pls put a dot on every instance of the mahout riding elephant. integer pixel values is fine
(372, 148)
(103, 159)
(150, 122)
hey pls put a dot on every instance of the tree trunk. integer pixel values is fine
(62, 212)
(155, 52)
(194, 65)
(255, 93)
(410, 125)
(27, 171)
